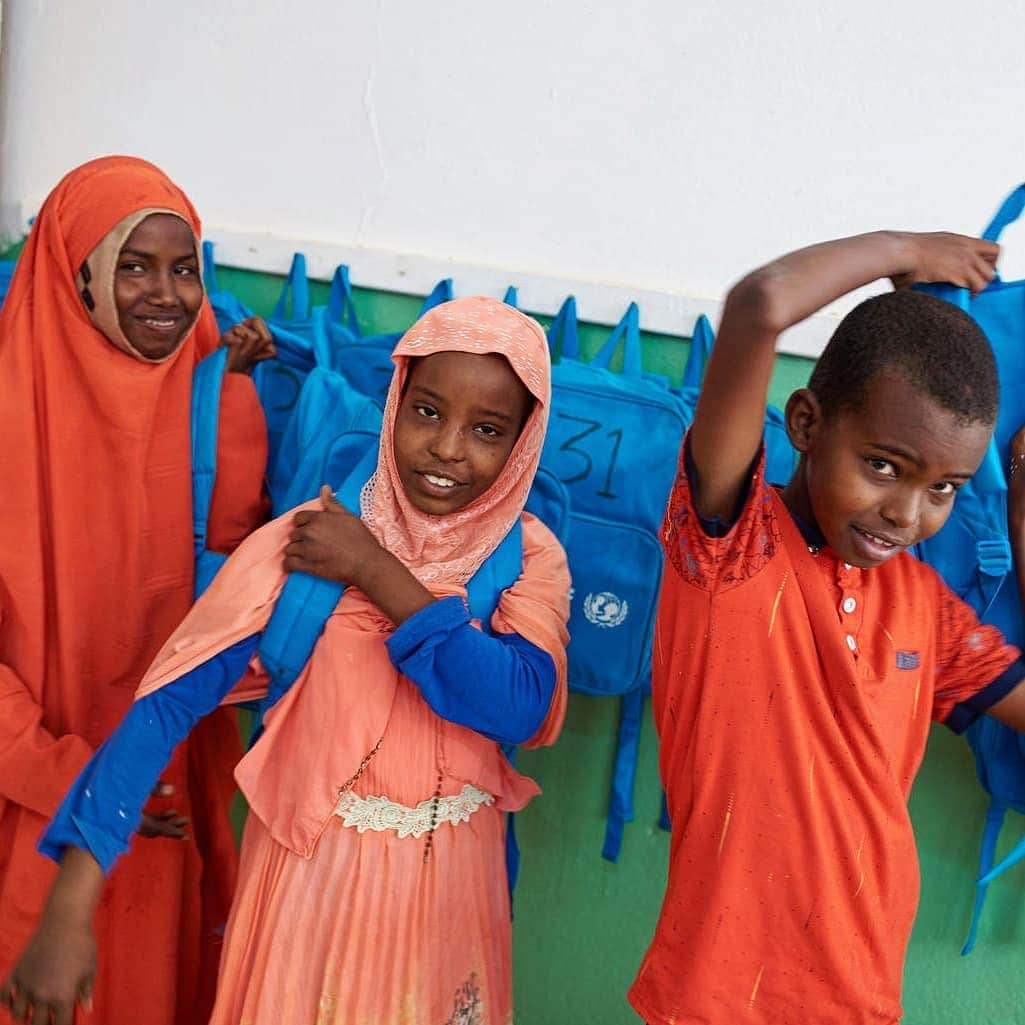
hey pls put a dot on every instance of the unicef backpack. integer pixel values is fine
(780, 462)
(972, 552)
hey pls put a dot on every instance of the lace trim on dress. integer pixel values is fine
(379, 814)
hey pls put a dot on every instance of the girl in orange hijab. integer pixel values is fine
(372, 884)
(103, 324)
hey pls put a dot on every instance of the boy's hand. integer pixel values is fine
(250, 342)
(331, 543)
(958, 259)
(55, 972)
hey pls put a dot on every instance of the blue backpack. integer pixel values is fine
(6, 273)
(973, 554)
(656, 456)
(364, 360)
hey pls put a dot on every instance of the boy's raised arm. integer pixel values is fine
(728, 422)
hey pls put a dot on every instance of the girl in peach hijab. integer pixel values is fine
(372, 883)
(104, 321)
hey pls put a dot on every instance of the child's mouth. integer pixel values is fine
(438, 485)
(874, 547)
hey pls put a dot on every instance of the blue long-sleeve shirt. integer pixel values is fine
(500, 685)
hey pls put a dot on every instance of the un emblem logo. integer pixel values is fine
(605, 609)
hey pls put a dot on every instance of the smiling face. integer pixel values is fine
(881, 477)
(157, 286)
(457, 423)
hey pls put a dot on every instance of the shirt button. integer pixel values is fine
(851, 642)
(849, 605)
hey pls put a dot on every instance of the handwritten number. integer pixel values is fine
(570, 445)
(606, 491)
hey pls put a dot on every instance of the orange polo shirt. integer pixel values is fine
(793, 695)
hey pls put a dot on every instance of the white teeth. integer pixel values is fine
(441, 482)
(158, 323)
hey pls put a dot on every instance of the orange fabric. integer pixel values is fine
(95, 572)
(787, 760)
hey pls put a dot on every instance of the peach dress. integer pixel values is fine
(372, 885)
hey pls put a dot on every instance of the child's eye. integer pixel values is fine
(946, 488)
(882, 466)
(488, 430)
(132, 266)
(424, 410)
(185, 271)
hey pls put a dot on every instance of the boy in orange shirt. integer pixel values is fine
(801, 653)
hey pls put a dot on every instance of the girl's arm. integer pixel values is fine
(94, 824)
(501, 686)
(729, 419)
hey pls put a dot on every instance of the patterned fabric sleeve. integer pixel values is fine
(710, 562)
(975, 666)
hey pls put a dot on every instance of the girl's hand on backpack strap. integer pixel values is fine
(334, 544)
(250, 343)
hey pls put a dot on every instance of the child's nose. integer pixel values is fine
(903, 509)
(449, 445)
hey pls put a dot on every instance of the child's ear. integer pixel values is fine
(803, 418)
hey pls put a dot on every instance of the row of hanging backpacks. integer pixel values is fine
(607, 467)
(973, 553)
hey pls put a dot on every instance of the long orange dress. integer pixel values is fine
(95, 572)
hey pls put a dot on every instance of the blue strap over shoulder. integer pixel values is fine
(206, 403)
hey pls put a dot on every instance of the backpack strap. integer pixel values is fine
(340, 307)
(629, 329)
(441, 293)
(563, 333)
(701, 342)
(204, 416)
(987, 855)
(298, 287)
(621, 794)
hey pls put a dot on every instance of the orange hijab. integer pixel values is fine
(95, 523)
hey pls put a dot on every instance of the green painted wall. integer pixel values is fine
(582, 924)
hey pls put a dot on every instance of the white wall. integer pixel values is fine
(664, 146)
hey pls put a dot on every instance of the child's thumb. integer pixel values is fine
(327, 498)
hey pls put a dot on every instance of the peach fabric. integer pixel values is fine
(333, 926)
(95, 571)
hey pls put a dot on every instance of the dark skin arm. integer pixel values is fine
(249, 342)
(1011, 709)
(59, 965)
(728, 422)
(57, 969)
(332, 543)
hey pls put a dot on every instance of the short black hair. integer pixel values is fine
(936, 346)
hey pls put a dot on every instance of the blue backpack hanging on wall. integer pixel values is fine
(364, 360)
(612, 440)
(6, 273)
(781, 459)
(300, 347)
(973, 554)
